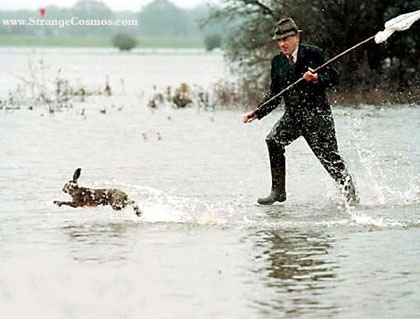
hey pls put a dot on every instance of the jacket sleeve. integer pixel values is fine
(328, 76)
(260, 112)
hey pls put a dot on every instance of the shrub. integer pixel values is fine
(124, 42)
(212, 41)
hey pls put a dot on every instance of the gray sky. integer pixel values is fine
(116, 5)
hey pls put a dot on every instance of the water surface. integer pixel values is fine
(203, 248)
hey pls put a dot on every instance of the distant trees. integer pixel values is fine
(334, 25)
(91, 9)
(124, 42)
(160, 18)
(163, 18)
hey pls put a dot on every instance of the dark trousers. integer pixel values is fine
(319, 132)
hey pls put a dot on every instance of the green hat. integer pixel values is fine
(285, 27)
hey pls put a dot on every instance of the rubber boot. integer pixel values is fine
(277, 194)
(278, 177)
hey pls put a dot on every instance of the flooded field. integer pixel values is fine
(203, 248)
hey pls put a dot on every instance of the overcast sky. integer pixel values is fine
(115, 5)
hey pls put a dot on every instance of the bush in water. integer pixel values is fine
(212, 41)
(124, 42)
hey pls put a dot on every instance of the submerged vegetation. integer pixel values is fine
(39, 88)
(34, 92)
(245, 95)
(219, 96)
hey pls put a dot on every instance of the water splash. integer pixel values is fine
(381, 186)
(161, 207)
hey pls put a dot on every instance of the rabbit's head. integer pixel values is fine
(72, 185)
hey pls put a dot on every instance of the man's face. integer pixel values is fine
(289, 44)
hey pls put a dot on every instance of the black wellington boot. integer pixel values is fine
(276, 195)
(278, 177)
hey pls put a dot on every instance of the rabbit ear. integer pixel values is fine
(76, 174)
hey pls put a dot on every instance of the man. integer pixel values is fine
(307, 111)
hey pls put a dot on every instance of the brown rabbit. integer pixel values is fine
(82, 196)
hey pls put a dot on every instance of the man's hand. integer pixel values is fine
(310, 77)
(249, 117)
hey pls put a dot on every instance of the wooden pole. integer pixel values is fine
(316, 70)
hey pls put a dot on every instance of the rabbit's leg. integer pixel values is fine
(116, 206)
(136, 208)
(65, 203)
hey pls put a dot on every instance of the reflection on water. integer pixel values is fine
(297, 266)
(101, 243)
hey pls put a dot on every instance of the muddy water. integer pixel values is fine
(203, 248)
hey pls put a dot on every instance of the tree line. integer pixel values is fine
(247, 27)
(160, 18)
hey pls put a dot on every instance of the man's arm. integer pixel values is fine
(259, 113)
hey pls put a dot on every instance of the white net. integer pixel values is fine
(400, 23)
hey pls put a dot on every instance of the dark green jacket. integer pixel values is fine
(306, 97)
